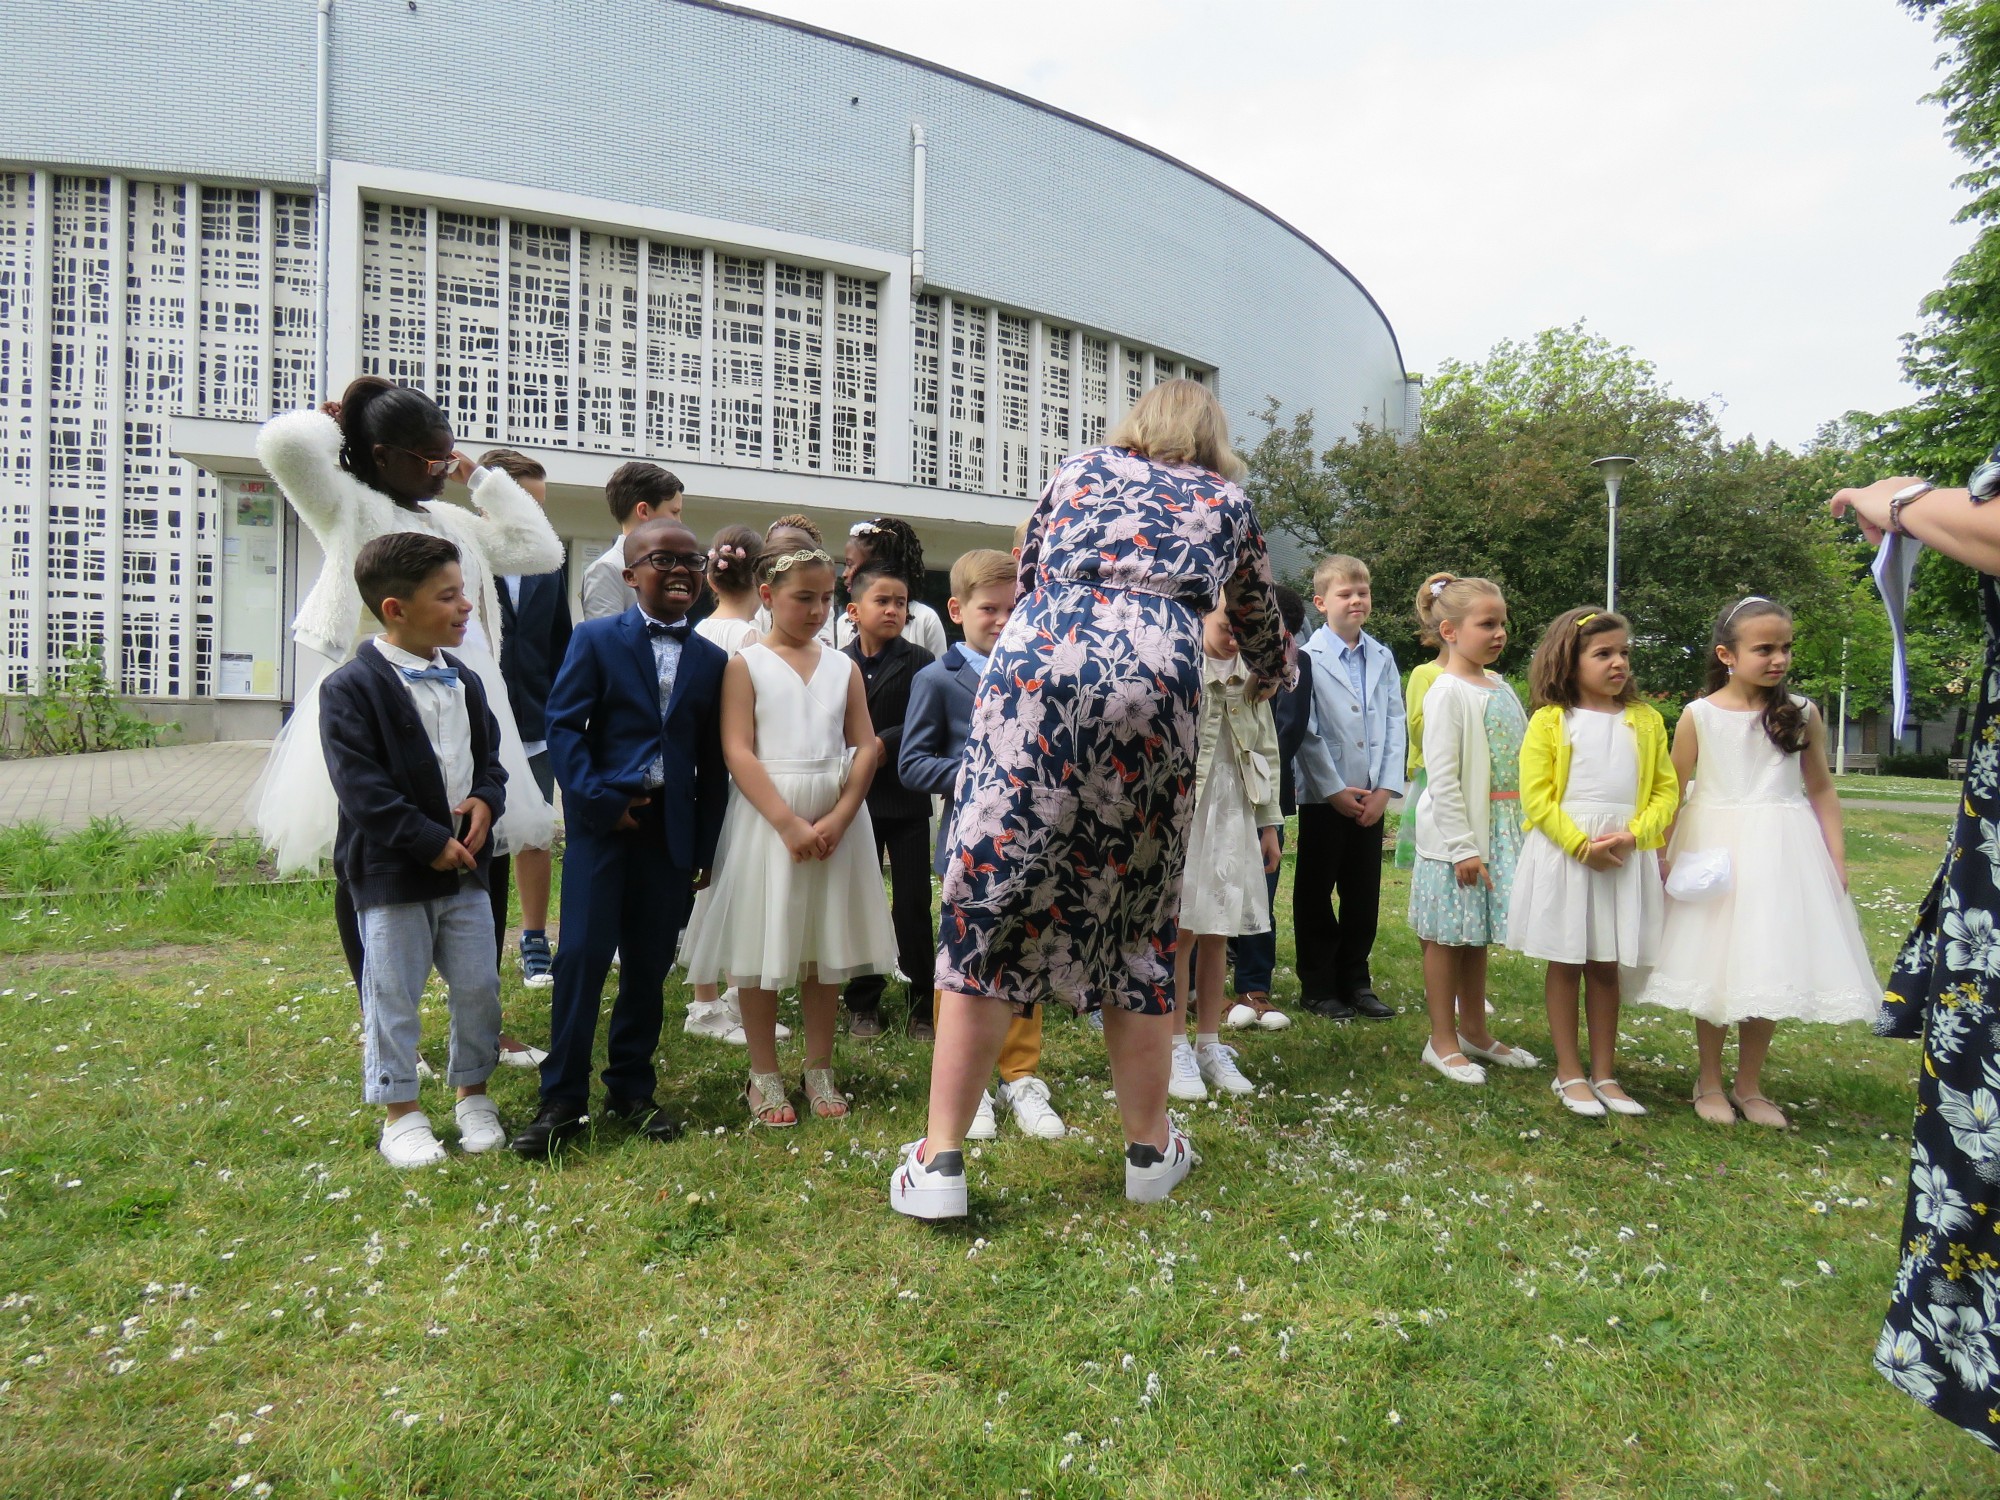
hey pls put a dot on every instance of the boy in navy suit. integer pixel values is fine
(634, 730)
(983, 585)
(414, 755)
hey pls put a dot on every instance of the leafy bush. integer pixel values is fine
(1932, 765)
(79, 710)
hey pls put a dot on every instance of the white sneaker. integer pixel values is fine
(1028, 1098)
(1241, 1017)
(407, 1142)
(1185, 1080)
(1150, 1173)
(1218, 1066)
(710, 1019)
(982, 1127)
(479, 1127)
(933, 1189)
(517, 1057)
(1458, 1072)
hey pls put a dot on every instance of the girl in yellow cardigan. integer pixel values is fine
(1598, 791)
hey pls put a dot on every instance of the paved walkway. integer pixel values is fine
(167, 788)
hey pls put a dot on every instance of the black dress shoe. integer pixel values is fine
(645, 1117)
(1365, 1002)
(556, 1122)
(1328, 1007)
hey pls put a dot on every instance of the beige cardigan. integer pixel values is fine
(1255, 732)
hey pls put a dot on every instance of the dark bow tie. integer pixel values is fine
(680, 630)
(431, 674)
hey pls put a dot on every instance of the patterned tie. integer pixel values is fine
(431, 674)
(680, 630)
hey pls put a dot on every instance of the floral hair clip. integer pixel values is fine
(719, 557)
(863, 528)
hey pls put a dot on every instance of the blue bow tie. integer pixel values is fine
(680, 630)
(431, 674)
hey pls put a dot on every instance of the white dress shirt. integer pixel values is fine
(666, 662)
(441, 710)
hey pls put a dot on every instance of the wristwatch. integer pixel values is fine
(1902, 498)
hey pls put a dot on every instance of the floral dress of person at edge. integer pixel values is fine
(1941, 1340)
(1070, 826)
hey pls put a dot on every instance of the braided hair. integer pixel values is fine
(894, 542)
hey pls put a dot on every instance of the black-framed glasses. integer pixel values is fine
(666, 562)
(437, 466)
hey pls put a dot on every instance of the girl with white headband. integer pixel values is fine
(1768, 931)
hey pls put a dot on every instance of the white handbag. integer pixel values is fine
(1701, 875)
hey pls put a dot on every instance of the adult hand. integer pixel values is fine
(455, 856)
(479, 819)
(1267, 842)
(626, 822)
(1870, 504)
(1372, 807)
(1473, 872)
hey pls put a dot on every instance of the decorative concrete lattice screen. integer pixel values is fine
(998, 400)
(123, 301)
(555, 336)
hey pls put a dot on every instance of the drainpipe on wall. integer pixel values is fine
(916, 207)
(323, 214)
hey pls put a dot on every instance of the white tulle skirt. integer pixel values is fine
(292, 805)
(763, 919)
(1567, 913)
(1784, 943)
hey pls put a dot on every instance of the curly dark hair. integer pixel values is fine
(894, 541)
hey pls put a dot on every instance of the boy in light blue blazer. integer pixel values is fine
(1349, 767)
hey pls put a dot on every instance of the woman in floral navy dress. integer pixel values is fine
(1941, 1341)
(1070, 826)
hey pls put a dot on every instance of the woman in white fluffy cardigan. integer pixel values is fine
(373, 463)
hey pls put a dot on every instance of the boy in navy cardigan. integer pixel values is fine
(934, 734)
(634, 727)
(414, 755)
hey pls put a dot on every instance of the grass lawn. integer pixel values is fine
(1376, 1284)
(1898, 789)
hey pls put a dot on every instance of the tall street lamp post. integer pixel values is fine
(1613, 469)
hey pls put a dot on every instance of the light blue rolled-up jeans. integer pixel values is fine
(401, 944)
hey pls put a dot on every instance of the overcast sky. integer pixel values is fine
(1748, 193)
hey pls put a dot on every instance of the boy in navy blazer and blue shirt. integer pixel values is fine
(1350, 765)
(414, 755)
(935, 730)
(634, 727)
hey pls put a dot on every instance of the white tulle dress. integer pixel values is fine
(292, 804)
(764, 921)
(1784, 943)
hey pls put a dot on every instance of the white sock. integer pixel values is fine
(1206, 1038)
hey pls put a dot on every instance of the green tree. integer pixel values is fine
(1499, 483)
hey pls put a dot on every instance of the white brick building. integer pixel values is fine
(804, 272)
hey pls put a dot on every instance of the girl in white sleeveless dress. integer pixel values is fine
(797, 894)
(732, 560)
(1783, 942)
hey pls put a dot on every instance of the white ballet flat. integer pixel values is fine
(1625, 1106)
(1591, 1108)
(1458, 1072)
(1513, 1057)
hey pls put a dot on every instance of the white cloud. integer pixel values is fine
(1746, 191)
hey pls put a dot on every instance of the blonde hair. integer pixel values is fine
(1339, 568)
(1180, 422)
(1446, 596)
(1021, 531)
(980, 569)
